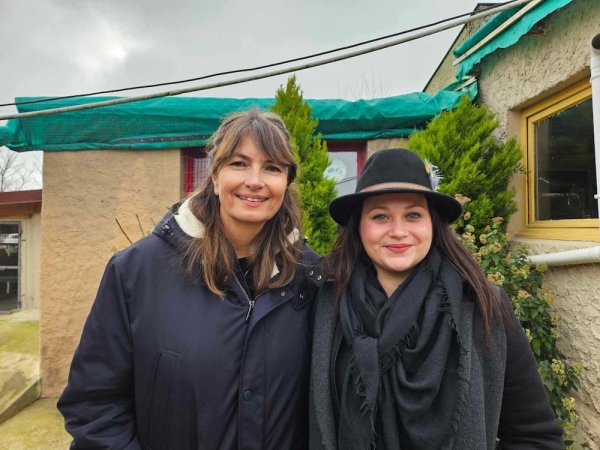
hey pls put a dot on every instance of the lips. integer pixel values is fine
(398, 248)
(252, 199)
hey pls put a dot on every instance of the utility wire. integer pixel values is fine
(266, 66)
(322, 62)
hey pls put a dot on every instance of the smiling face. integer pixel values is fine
(396, 232)
(250, 188)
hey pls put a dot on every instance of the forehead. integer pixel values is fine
(249, 145)
(395, 200)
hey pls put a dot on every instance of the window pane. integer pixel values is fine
(343, 169)
(565, 170)
(195, 169)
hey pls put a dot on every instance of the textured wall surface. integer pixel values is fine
(83, 194)
(577, 300)
(517, 77)
(382, 144)
(541, 65)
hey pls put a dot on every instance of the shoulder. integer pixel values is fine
(310, 266)
(149, 255)
(146, 246)
(309, 256)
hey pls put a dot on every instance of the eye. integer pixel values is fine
(274, 168)
(379, 217)
(413, 215)
(238, 163)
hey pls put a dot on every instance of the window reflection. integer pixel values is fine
(565, 178)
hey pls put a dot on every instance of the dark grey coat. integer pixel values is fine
(507, 399)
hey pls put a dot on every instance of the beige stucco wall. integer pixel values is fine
(83, 194)
(577, 292)
(512, 79)
(382, 144)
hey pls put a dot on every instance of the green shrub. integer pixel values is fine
(316, 191)
(506, 264)
(473, 161)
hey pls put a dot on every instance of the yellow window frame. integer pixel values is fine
(568, 229)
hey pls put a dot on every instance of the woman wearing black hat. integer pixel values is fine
(413, 348)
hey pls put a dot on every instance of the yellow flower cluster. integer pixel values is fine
(467, 215)
(556, 319)
(568, 403)
(523, 294)
(578, 367)
(554, 334)
(522, 272)
(541, 267)
(558, 367)
(462, 199)
(496, 278)
(528, 334)
(469, 238)
(548, 298)
(496, 247)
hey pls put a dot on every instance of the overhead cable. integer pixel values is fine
(265, 66)
(297, 68)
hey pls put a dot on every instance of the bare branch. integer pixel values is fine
(16, 173)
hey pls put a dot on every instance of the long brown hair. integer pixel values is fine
(213, 253)
(348, 248)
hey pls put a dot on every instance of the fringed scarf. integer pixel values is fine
(406, 377)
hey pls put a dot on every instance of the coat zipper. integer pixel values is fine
(251, 302)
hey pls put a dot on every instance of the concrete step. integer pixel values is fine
(19, 361)
(21, 399)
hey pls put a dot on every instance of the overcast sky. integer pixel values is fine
(62, 47)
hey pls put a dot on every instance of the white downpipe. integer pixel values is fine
(595, 81)
(580, 256)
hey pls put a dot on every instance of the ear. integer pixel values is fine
(215, 184)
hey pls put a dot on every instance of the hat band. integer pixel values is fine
(384, 186)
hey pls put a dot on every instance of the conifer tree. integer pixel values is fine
(316, 191)
(472, 161)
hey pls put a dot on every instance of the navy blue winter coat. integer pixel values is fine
(164, 363)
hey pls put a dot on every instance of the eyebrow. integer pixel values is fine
(237, 154)
(385, 208)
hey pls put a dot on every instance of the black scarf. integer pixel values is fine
(406, 377)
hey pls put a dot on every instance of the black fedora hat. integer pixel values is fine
(395, 170)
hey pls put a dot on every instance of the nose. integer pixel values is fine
(398, 228)
(254, 179)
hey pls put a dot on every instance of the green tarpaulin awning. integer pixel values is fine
(174, 122)
(506, 37)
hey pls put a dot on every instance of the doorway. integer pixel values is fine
(10, 251)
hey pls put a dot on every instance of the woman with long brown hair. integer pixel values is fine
(198, 337)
